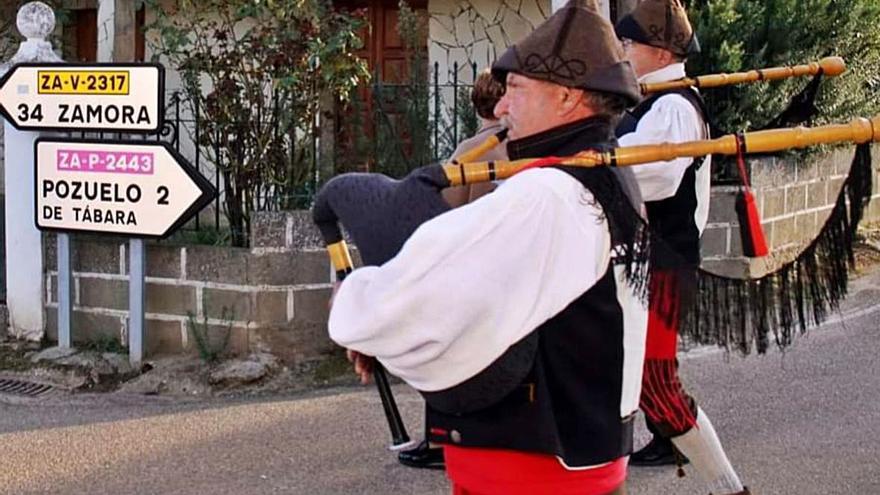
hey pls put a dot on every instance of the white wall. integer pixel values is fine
(478, 31)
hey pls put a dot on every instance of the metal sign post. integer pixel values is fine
(65, 291)
(136, 271)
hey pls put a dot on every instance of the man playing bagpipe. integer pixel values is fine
(657, 37)
(520, 316)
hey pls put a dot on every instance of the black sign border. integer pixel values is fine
(209, 192)
(109, 65)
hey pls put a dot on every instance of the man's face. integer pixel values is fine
(528, 106)
(644, 58)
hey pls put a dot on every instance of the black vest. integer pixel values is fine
(557, 391)
(672, 219)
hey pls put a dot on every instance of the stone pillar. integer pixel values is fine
(24, 261)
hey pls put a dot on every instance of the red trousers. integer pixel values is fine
(476, 471)
(668, 408)
(458, 490)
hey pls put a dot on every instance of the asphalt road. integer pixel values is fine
(806, 422)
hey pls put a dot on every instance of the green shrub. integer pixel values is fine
(257, 72)
(740, 35)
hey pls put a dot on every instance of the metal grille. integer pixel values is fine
(20, 387)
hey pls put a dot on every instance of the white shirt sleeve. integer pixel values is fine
(470, 283)
(671, 119)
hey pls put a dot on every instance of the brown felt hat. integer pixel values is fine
(575, 47)
(660, 23)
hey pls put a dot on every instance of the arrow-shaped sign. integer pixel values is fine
(140, 188)
(94, 97)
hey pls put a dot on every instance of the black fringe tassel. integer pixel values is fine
(738, 313)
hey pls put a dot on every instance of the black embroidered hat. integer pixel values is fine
(575, 47)
(660, 23)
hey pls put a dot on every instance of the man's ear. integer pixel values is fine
(570, 98)
(666, 57)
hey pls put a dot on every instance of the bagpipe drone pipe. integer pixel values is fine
(380, 213)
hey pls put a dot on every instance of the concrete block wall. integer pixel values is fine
(794, 200)
(271, 297)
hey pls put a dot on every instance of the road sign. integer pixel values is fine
(139, 188)
(94, 97)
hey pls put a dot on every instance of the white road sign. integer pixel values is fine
(94, 97)
(140, 188)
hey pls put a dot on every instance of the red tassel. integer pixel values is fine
(753, 241)
(754, 244)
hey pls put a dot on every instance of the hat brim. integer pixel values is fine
(628, 28)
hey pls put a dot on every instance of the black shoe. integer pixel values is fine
(659, 452)
(422, 456)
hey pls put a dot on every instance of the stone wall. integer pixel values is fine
(794, 200)
(271, 297)
(477, 32)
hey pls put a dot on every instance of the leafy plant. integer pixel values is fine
(211, 346)
(257, 70)
(104, 343)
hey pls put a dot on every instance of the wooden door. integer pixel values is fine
(383, 48)
(139, 38)
(387, 58)
(86, 29)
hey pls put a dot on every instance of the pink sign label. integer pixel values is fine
(119, 162)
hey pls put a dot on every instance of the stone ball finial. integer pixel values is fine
(35, 20)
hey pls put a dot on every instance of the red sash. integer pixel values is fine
(493, 471)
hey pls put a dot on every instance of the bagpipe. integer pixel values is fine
(828, 66)
(380, 213)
